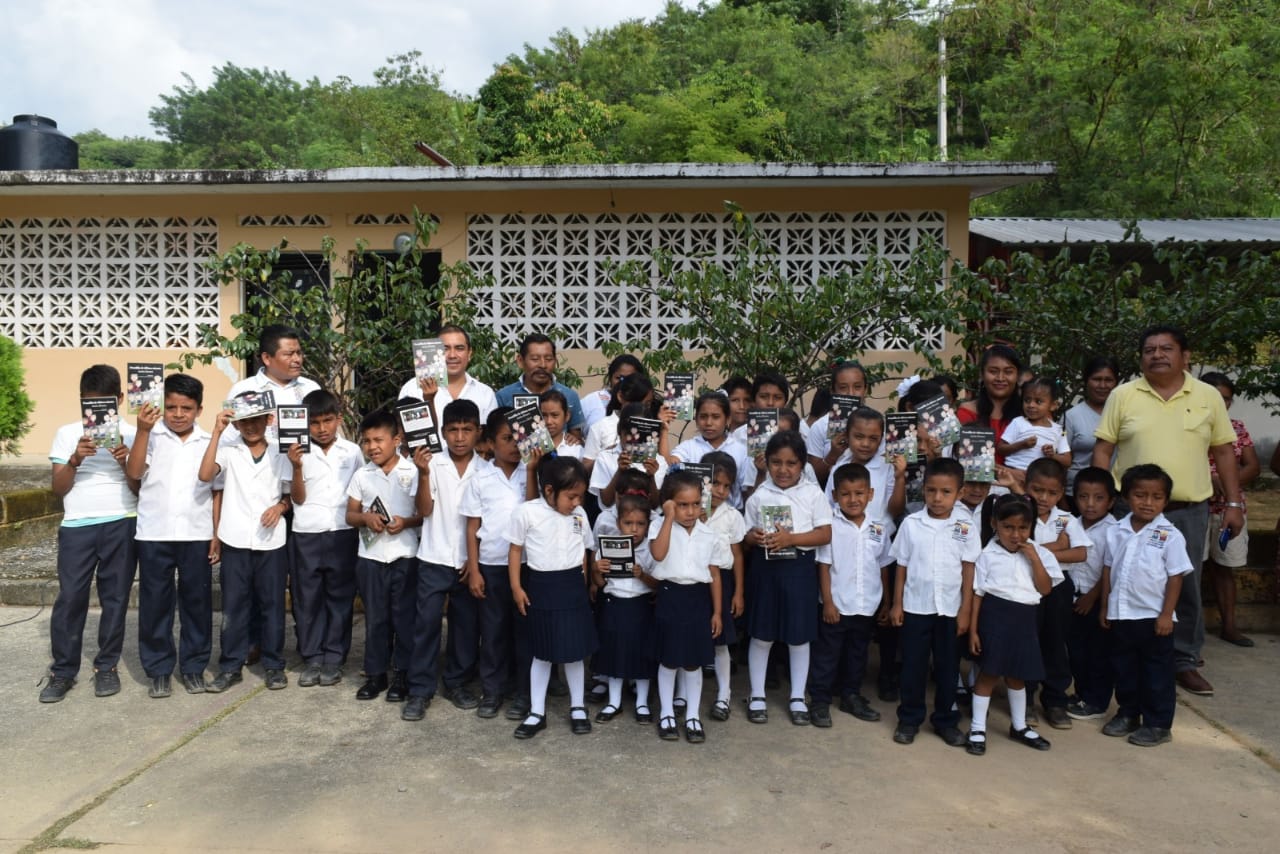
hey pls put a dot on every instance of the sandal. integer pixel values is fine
(607, 714)
(529, 730)
(579, 726)
(757, 716)
(720, 711)
(667, 729)
(693, 731)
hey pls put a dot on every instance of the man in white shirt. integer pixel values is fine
(280, 350)
(461, 385)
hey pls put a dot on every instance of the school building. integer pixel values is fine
(107, 266)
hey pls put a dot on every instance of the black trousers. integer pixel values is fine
(922, 635)
(1053, 619)
(389, 594)
(250, 576)
(1087, 647)
(158, 561)
(323, 577)
(438, 584)
(107, 551)
(495, 629)
(841, 648)
(1144, 668)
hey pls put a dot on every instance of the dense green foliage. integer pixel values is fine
(15, 405)
(1167, 109)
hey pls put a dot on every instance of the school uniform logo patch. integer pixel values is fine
(1158, 538)
(961, 530)
(876, 532)
(577, 526)
(406, 481)
(1060, 524)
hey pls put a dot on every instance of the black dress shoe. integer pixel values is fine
(529, 730)
(976, 743)
(330, 674)
(309, 677)
(643, 715)
(952, 736)
(1029, 737)
(223, 681)
(461, 698)
(415, 709)
(275, 679)
(517, 709)
(667, 730)
(905, 733)
(858, 706)
(489, 707)
(607, 714)
(757, 716)
(582, 725)
(398, 690)
(193, 683)
(372, 687)
(106, 683)
(820, 715)
(160, 687)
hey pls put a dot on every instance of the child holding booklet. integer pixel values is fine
(604, 474)
(848, 378)
(555, 416)
(711, 416)
(731, 527)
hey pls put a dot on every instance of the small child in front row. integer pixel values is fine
(254, 564)
(1034, 434)
(1142, 575)
(1095, 493)
(551, 535)
(386, 562)
(728, 524)
(687, 608)
(1010, 577)
(935, 550)
(625, 615)
(555, 416)
(853, 575)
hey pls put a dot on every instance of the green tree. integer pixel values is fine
(99, 151)
(15, 405)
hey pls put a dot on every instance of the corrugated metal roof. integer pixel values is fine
(1031, 231)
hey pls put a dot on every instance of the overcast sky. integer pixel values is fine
(94, 64)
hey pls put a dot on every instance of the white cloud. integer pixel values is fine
(102, 64)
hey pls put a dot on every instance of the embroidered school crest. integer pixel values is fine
(961, 530)
(1158, 538)
(406, 481)
(876, 531)
(1060, 523)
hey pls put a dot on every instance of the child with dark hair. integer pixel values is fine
(712, 417)
(1034, 434)
(614, 460)
(555, 415)
(1095, 494)
(737, 390)
(847, 378)
(729, 525)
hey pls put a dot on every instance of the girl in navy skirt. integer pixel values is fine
(625, 616)
(687, 612)
(787, 518)
(728, 524)
(1010, 577)
(552, 535)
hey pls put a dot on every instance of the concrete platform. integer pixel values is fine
(315, 770)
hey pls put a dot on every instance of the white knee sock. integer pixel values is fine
(757, 663)
(539, 676)
(666, 691)
(642, 694)
(575, 673)
(1018, 707)
(681, 691)
(724, 668)
(980, 706)
(799, 670)
(615, 692)
(693, 687)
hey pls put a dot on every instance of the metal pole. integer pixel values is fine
(942, 90)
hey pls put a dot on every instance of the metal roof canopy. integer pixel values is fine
(1030, 231)
(981, 177)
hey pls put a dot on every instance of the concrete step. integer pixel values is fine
(28, 516)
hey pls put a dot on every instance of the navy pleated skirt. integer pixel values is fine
(627, 639)
(1010, 641)
(561, 627)
(682, 615)
(728, 586)
(782, 598)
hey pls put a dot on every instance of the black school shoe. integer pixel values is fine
(461, 698)
(582, 725)
(275, 680)
(415, 709)
(56, 689)
(1120, 726)
(193, 683)
(860, 707)
(1029, 737)
(952, 736)
(529, 730)
(667, 730)
(309, 677)
(372, 687)
(820, 715)
(330, 674)
(106, 683)
(976, 743)
(518, 709)
(398, 690)
(223, 681)
(1150, 736)
(489, 706)
(1057, 717)
(905, 733)
(160, 687)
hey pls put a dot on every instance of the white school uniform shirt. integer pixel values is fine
(882, 480)
(747, 476)
(398, 490)
(1142, 562)
(856, 554)
(100, 492)
(472, 389)
(492, 497)
(594, 406)
(444, 532)
(607, 464)
(693, 450)
(933, 550)
(975, 513)
(809, 507)
(289, 394)
(564, 449)
(631, 588)
(602, 436)
(1021, 428)
(1047, 531)
(551, 540)
(1008, 575)
(174, 505)
(326, 476)
(691, 555)
(1085, 576)
(730, 526)
(249, 488)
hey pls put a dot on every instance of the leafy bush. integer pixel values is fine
(15, 406)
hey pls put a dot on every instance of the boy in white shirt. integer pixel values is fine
(95, 538)
(1094, 494)
(175, 532)
(254, 565)
(322, 547)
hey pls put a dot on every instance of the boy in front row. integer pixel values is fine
(1142, 568)
(175, 533)
(96, 537)
(255, 497)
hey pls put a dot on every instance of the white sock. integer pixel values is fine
(724, 668)
(666, 692)
(539, 676)
(693, 687)
(615, 692)
(1018, 707)
(979, 722)
(575, 673)
(799, 671)
(681, 691)
(757, 662)
(642, 694)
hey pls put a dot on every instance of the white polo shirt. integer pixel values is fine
(602, 436)
(809, 507)
(729, 525)
(472, 389)
(594, 405)
(856, 554)
(174, 505)
(100, 492)
(1085, 576)
(249, 488)
(630, 588)
(693, 450)
(882, 481)
(932, 550)
(607, 465)
(398, 490)
(492, 497)
(1048, 531)
(691, 555)
(1008, 575)
(444, 532)
(1142, 562)
(551, 540)
(326, 476)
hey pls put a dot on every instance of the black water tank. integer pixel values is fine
(34, 142)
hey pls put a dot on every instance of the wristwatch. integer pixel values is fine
(1236, 504)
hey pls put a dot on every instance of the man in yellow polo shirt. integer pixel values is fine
(1170, 418)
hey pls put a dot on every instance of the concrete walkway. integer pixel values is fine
(315, 770)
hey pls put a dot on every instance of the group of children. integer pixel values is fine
(814, 545)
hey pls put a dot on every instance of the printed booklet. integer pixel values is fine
(101, 420)
(530, 432)
(419, 426)
(251, 405)
(761, 425)
(939, 419)
(641, 441)
(705, 472)
(428, 360)
(620, 552)
(842, 406)
(291, 426)
(977, 453)
(774, 518)
(677, 392)
(900, 436)
(146, 385)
